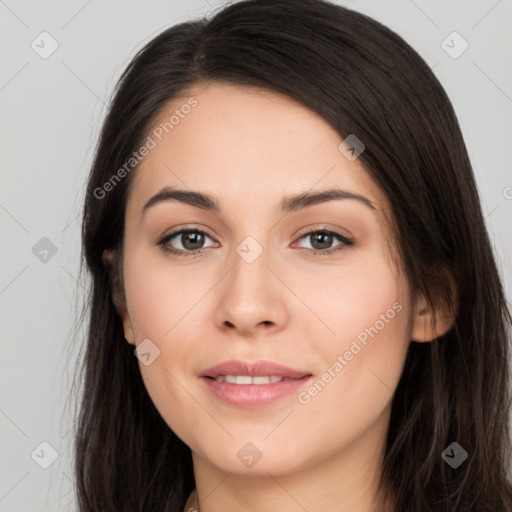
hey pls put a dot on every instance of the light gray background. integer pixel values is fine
(52, 111)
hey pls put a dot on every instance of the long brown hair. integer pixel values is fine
(362, 78)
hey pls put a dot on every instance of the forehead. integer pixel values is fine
(244, 143)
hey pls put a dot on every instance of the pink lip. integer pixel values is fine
(254, 369)
(253, 395)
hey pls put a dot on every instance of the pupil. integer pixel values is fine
(325, 240)
(194, 237)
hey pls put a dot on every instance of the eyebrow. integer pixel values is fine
(289, 203)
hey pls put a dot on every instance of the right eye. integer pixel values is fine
(191, 241)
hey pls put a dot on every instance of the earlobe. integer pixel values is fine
(118, 299)
(122, 310)
(429, 324)
(128, 330)
(127, 324)
(423, 323)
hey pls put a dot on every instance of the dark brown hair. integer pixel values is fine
(364, 79)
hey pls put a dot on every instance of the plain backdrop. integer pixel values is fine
(52, 109)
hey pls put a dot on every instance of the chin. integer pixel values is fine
(258, 459)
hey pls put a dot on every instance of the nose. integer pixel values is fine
(251, 300)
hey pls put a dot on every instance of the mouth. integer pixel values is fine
(247, 379)
(239, 372)
(253, 384)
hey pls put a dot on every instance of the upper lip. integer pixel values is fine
(253, 369)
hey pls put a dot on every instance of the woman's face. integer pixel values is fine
(330, 306)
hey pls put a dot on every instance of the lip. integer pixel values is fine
(253, 395)
(253, 369)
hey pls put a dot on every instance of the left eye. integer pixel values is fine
(321, 240)
(192, 242)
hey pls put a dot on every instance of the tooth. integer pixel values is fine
(247, 379)
(261, 380)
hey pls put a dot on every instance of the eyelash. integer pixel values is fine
(346, 242)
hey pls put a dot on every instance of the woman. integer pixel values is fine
(294, 303)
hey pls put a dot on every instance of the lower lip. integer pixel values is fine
(254, 395)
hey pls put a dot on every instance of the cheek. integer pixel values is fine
(354, 294)
(160, 296)
(365, 313)
(160, 301)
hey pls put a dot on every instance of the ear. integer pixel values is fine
(429, 324)
(111, 262)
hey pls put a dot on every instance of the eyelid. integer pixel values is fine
(176, 230)
(313, 228)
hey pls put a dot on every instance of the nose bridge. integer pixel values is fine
(250, 263)
(250, 295)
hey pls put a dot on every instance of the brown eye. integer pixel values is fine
(191, 241)
(321, 241)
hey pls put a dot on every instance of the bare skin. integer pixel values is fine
(249, 148)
